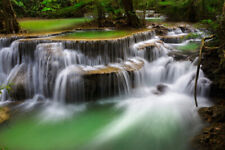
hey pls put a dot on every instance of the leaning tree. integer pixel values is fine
(8, 22)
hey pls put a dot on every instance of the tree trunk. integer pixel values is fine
(101, 14)
(132, 19)
(222, 25)
(191, 11)
(8, 20)
(144, 12)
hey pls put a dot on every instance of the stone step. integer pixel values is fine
(76, 83)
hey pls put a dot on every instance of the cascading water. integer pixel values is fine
(152, 92)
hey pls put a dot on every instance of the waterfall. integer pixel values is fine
(132, 92)
(80, 71)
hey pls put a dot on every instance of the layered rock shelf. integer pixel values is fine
(49, 66)
(78, 70)
(100, 81)
(174, 39)
(108, 50)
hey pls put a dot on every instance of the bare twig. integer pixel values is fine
(198, 68)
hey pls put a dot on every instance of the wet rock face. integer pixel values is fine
(47, 70)
(173, 39)
(45, 59)
(212, 137)
(110, 50)
(151, 50)
(185, 29)
(19, 83)
(160, 89)
(36, 64)
(160, 30)
(5, 42)
(215, 71)
(92, 87)
(106, 51)
(213, 114)
(180, 56)
(89, 84)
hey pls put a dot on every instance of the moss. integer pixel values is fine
(192, 36)
(192, 46)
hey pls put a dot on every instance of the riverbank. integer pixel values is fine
(212, 136)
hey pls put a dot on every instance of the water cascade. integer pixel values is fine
(138, 71)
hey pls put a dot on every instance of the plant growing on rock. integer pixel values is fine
(8, 88)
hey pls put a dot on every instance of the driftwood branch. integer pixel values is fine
(198, 68)
(211, 48)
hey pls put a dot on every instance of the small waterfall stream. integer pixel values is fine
(144, 96)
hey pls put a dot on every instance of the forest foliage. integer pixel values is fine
(190, 10)
(122, 12)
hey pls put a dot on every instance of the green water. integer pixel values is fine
(28, 133)
(191, 46)
(140, 125)
(156, 131)
(97, 34)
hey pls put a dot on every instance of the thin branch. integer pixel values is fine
(198, 68)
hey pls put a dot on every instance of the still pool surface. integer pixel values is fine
(96, 34)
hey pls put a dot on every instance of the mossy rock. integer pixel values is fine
(4, 114)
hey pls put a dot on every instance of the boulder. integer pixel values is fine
(160, 89)
(185, 29)
(160, 30)
(19, 82)
(174, 39)
(90, 84)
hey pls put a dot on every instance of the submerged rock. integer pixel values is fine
(160, 89)
(4, 114)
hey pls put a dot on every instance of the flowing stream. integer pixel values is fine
(124, 94)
